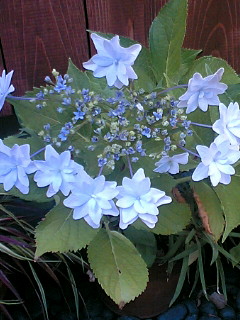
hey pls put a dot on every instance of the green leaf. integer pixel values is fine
(166, 38)
(81, 80)
(209, 65)
(117, 264)
(145, 243)
(212, 205)
(58, 232)
(230, 201)
(173, 218)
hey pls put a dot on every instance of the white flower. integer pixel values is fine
(137, 200)
(113, 61)
(5, 87)
(91, 199)
(171, 164)
(228, 126)
(216, 163)
(58, 171)
(15, 164)
(202, 92)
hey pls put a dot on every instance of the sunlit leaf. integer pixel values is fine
(118, 266)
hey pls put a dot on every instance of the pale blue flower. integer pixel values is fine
(5, 86)
(91, 198)
(57, 171)
(113, 61)
(136, 199)
(203, 92)
(216, 163)
(15, 164)
(228, 126)
(171, 164)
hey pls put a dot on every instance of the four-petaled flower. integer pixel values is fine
(113, 61)
(91, 199)
(202, 92)
(58, 171)
(15, 165)
(136, 199)
(5, 86)
(171, 164)
(216, 163)
(228, 126)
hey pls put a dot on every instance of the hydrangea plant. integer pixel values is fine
(109, 145)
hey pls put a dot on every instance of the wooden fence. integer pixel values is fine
(39, 35)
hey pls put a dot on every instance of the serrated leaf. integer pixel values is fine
(120, 270)
(173, 218)
(145, 243)
(230, 202)
(211, 206)
(58, 232)
(213, 64)
(166, 38)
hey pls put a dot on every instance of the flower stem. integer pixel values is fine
(172, 88)
(23, 98)
(129, 166)
(201, 125)
(37, 152)
(100, 170)
(189, 151)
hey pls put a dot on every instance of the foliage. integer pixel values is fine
(17, 257)
(116, 133)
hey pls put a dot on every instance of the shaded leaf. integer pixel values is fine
(173, 218)
(145, 243)
(120, 270)
(230, 201)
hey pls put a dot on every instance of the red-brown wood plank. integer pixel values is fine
(214, 26)
(40, 35)
(126, 18)
(6, 109)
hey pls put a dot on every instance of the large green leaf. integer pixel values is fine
(145, 242)
(172, 218)
(58, 232)
(230, 201)
(212, 206)
(166, 38)
(117, 264)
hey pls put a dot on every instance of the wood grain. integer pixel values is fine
(214, 27)
(40, 35)
(126, 18)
